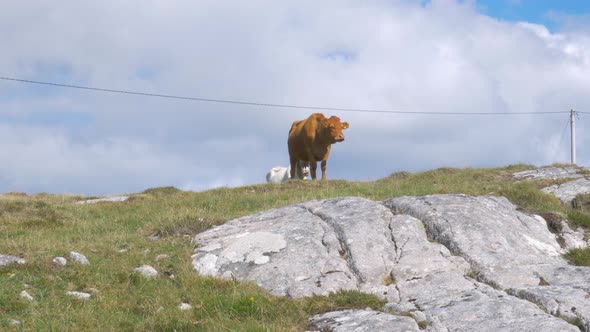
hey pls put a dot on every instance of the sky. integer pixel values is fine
(438, 56)
(554, 15)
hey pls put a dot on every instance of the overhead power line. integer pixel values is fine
(239, 102)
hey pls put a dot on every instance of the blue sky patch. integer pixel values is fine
(549, 13)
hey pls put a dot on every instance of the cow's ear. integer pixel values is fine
(344, 125)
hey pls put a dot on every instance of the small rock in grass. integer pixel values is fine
(79, 258)
(60, 261)
(146, 271)
(185, 306)
(25, 296)
(14, 322)
(9, 259)
(80, 295)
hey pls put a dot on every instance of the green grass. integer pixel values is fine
(579, 256)
(117, 237)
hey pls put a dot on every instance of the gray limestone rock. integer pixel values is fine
(79, 295)
(312, 248)
(146, 271)
(60, 261)
(551, 173)
(184, 306)
(507, 249)
(10, 259)
(488, 270)
(363, 321)
(566, 192)
(79, 258)
(452, 302)
(573, 239)
(25, 296)
(504, 245)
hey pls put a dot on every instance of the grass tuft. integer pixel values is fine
(528, 196)
(580, 257)
(579, 219)
(29, 213)
(162, 191)
(187, 225)
(345, 299)
(423, 325)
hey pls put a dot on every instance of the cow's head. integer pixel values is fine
(334, 128)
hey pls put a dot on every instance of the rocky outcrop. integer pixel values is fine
(551, 172)
(566, 192)
(316, 248)
(451, 262)
(513, 252)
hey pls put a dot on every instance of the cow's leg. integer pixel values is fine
(324, 164)
(313, 165)
(294, 164)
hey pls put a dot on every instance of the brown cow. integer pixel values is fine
(310, 140)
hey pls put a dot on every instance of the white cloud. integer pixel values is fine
(441, 57)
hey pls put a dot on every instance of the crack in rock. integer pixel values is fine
(399, 250)
(344, 251)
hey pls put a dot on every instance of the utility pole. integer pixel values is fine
(573, 131)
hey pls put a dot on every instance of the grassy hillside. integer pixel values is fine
(118, 237)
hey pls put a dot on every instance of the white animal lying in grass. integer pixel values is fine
(281, 174)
